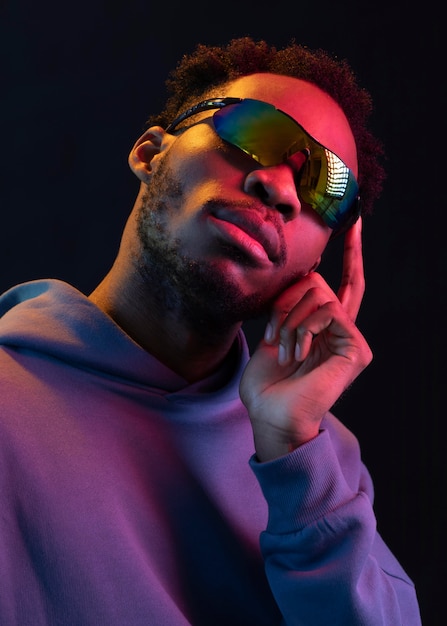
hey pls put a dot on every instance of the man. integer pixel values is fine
(151, 471)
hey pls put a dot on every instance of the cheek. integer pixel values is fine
(306, 241)
(200, 153)
(195, 146)
(199, 160)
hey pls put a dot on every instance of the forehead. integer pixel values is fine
(314, 109)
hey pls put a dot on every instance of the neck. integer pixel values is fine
(192, 350)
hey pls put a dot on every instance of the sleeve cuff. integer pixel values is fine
(302, 486)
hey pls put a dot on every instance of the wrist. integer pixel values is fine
(270, 444)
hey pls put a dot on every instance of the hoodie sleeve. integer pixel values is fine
(324, 559)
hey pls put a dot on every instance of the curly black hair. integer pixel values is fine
(199, 75)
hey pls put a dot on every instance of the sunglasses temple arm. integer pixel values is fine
(216, 103)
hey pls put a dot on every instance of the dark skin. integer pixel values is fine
(240, 230)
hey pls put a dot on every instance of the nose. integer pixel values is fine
(275, 187)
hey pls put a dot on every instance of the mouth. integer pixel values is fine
(249, 231)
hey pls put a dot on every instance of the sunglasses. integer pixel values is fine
(270, 137)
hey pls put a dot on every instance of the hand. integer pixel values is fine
(312, 351)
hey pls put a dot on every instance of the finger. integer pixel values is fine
(352, 287)
(288, 301)
(342, 333)
(294, 324)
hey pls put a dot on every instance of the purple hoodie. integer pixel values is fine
(129, 497)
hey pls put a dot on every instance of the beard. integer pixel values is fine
(198, 292)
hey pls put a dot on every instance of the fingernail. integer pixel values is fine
(268, 335)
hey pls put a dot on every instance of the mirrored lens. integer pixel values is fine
(270, 137)
(260, 130)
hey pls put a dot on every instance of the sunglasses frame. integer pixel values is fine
(353, 212)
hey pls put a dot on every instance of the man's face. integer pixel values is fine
(223, 232)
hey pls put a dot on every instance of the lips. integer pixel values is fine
(254, 225)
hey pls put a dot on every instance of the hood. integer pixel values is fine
(54, 318)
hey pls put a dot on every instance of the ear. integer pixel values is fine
(144, 150)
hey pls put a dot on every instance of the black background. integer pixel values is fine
(78, 82)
